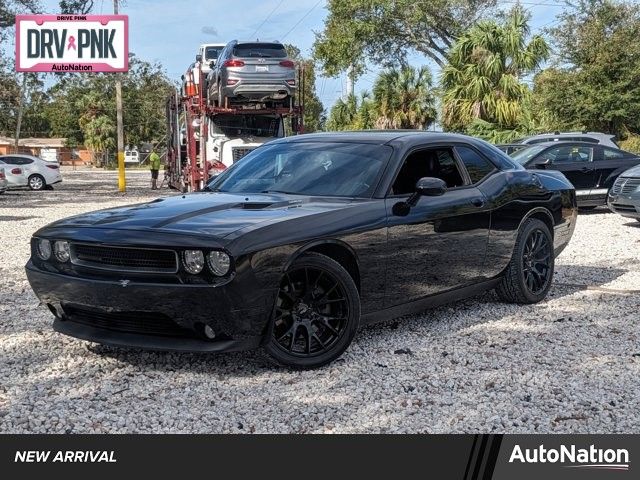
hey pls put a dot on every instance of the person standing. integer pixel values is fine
(154, 164)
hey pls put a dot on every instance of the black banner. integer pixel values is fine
(465, 457)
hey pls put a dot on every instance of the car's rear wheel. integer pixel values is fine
(37, 182)
(316, 314)
(528, 277)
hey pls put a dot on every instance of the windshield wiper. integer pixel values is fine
(278, 191)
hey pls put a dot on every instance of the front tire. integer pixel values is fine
(528, 277)
(37, 182)
(316, 315)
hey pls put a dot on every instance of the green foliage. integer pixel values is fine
(596, 85)
(312, 105)
(384, 31)
(404, 98)
(481, 81)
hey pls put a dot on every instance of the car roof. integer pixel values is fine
(379, 137)
(551, 143)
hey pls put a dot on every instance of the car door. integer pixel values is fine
(439, 243)
(609, 163)
(574, 161)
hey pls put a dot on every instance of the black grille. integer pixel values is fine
(124, 259)
(624, 208)
(238, 153)
(625, 185)
(145, 323)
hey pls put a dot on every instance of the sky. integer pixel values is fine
(170, 31)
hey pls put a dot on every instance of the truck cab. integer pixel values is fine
(231, 137)
(207, 53)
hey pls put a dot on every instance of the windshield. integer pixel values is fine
(318, 168)
(232, 125)
(524, 155)
(211, 53)
(260, 50)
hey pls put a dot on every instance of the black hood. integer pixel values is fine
(208, 213)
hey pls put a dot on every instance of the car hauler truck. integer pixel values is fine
(203, 140)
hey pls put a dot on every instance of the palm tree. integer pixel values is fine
(482, 77)
(343, 114)
(404, 98)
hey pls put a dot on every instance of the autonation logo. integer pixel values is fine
(574, 457)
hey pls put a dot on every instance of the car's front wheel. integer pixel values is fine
(316, 314)
(37, 182)
(528, 277)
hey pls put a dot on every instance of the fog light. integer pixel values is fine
(44, 249)
(219, 263)
(61, 250)
(193, 261)
(209, 333)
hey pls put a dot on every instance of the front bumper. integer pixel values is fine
(625, 205)
(154, 316)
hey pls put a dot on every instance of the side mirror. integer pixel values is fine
(212, 64)
(431, 186)
(542, 162)
(428, 187)
(198, 58)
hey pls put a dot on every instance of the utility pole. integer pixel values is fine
(23, 92)
(122, 183)
(350, 83)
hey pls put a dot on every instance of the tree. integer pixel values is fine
(384, 31)
(312, 105)
(404, 98)
(594, 84)
(343, 114)
(481, 80)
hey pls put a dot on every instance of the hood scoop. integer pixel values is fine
(257, 205)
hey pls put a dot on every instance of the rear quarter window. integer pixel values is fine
(477, 166)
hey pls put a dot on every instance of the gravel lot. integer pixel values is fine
(569, 364)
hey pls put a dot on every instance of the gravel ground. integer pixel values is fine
(569, 364)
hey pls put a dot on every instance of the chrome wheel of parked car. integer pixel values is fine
(316, 313)
(36, 182)
(528, 277)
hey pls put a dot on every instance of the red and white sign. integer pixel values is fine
(72, 43)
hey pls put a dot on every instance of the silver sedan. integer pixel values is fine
(624, 196)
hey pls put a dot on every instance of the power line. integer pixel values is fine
(303, 17)
(268, 17)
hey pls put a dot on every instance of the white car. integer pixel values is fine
(207, 54)
(4, 183)
(36, 173)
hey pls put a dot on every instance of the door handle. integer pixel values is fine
(477, 202)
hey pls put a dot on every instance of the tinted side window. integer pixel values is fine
(612, 154)
(477, 166)
(438, 162)
(569, 154)
(11, 160)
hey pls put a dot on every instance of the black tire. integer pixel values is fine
(37, 182)
(316, 315)
(528, 277)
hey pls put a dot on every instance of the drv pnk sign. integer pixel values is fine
(72, 43)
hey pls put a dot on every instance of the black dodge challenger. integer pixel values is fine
(300, 242)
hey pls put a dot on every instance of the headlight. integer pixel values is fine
(193, 261)
(61, 250)
(44, 249)
(219, 263)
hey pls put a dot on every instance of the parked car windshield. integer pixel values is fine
(260, 50)
(318, 168)
(524, 155)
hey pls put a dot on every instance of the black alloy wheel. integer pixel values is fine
(536, 261)
(316, 313)
(528, 277)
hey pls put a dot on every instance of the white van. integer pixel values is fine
(131, 156)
